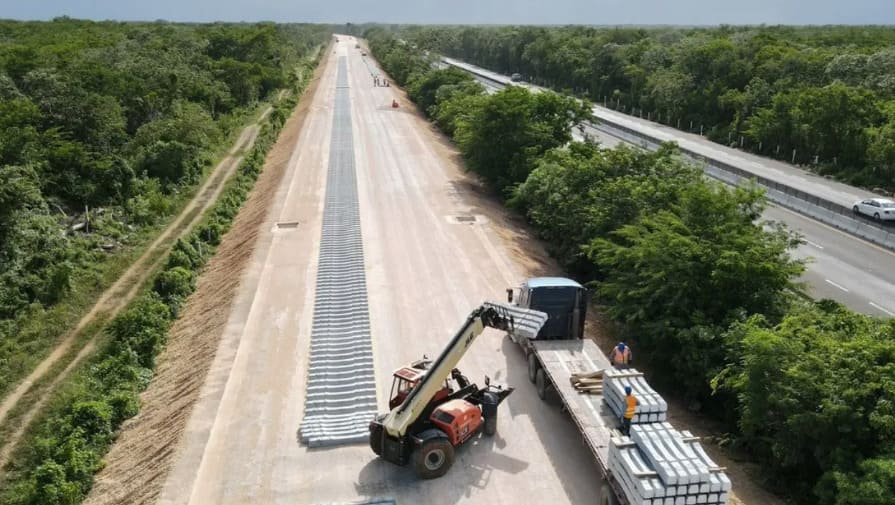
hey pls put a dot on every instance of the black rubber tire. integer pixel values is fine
(876, 216)
(489, 426)
(607, 496)
(490, 402)
(376, 444)
(533, 367)
(541, 384)
(855, 210)
(434, 458)
(376, 436)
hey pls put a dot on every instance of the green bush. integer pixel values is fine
(873, 483)
(815, 396)
(51, 486)
(170, 162)
(142, 328)
(93, 417)
(174, 285)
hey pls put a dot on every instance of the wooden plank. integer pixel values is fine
(593, 375)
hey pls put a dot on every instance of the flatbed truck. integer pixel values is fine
(558, 351)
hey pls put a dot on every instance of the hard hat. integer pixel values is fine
(621, 346)
(627, 390)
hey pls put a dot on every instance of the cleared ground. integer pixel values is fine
(424, 273)
(220, 421)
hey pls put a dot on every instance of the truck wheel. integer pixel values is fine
(607, 495)
(533, 366)
(434, 458)
(541, 384)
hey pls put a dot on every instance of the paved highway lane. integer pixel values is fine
(853, 272)
(840, 266)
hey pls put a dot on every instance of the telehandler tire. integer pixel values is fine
(490, 402)
(434, 458)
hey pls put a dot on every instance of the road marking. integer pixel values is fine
(828, 281)
(882, 309)
(814, 244)
(863, 242)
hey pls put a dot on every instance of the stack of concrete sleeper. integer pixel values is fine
(658, 465)
(652, 407)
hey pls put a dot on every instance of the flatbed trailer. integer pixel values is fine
(551, 365)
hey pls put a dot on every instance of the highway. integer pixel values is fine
(856, 273)
(840, 266)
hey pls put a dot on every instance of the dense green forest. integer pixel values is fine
(65, 447)
(803, 94)
(123, 117)
(104, 129)
(702, 288)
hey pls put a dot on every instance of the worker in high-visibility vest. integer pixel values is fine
(620, 357)
(631, 404)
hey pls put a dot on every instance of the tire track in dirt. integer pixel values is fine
(119, 294)
(139, 461)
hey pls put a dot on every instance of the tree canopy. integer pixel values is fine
(812, 93)
(103, 126)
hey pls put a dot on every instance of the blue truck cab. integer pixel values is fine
(563, 300)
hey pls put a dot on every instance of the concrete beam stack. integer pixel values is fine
(659, 465)
(652, 407)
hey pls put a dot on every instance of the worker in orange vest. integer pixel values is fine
(631, 404)
(620, 357)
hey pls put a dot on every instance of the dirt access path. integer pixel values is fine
(119, 294)
(138, 463)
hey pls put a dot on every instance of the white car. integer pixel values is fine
(881, 209)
